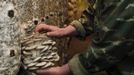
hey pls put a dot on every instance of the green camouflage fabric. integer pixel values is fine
(85, 24)
(112, 47)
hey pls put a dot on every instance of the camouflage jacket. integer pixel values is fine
(112, 47)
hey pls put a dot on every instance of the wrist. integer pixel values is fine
(71, 30)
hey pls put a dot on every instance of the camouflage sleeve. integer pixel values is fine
(76, 66)
(115, 43)
(84, 25)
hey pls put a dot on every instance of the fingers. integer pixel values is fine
(46, 28)
(43, 72)
(54, 31)
(50, 71)
(58, 33)
(40, 27)
(63, 32)
(63, 70)
(53, 34)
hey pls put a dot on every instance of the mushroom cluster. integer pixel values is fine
(39, 52)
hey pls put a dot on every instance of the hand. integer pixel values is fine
(54, 31)
(45, 27)
(64, 70)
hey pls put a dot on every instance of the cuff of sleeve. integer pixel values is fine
(80, 29)
(76, 67)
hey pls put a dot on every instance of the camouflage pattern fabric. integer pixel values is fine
(112, 47)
